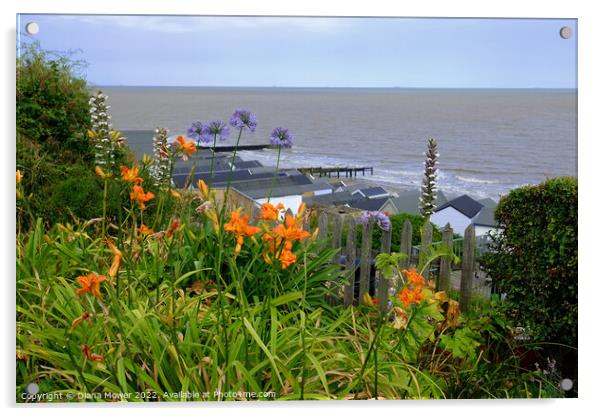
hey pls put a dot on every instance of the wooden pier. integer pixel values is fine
(219, 149)
(349, 172)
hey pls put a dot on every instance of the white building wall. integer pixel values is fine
(456, 219)
(326, 191)
(289, 201)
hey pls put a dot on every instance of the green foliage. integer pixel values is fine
(59, 193)
(388, 263)
(462, 343)
(78, 195)
(53, 152)
(534, 259)
(52, 103)
(160, 329)
(397, 222)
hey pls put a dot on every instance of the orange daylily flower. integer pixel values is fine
(90, 355)
(84, 316)
(270, 212)
(173, 227)
(408, 296)
(90, 283)
(287, 257)
(291, 231)
(19, 176)
(140, 196)
(145, 230)
(131, 174)
(99, 172)
(239, 226)
(116, 260)
(414, 277)
(187, 147)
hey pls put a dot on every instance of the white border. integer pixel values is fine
(589, 116)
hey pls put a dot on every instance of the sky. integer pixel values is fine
(313, 52)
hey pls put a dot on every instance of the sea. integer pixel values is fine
(489, 140)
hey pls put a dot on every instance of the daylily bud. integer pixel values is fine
(203, 188)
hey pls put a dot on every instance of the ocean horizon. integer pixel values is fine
(490, 140)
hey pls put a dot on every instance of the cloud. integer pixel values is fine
(199, 24)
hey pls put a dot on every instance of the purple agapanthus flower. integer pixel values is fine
(198, 132)
(242, 119)
(217, 128)
(382, 221)
(281, 137)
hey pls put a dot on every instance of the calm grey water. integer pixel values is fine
(490, 141)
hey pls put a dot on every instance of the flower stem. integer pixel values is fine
(221, 319)
(212, 161)
(104, 208)
(275, 174)
(231, 167)
(372, 347)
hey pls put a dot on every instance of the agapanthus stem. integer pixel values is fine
(221, 319)
(231, 168)
(275, 174)
(212, 160)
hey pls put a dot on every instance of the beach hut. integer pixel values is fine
(484, 222)
(408, 201)
(374, 204)
(458, 212)
(374, 192)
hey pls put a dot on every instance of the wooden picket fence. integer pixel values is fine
(334, 226)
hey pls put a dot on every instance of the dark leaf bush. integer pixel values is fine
(534, 259)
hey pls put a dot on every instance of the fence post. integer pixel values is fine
(350, 260)
(426, 238)
(444, 282)
(468, 259)
(336, 236)
(406, 244)
(383, 284)
(365, 258)
(323, 226)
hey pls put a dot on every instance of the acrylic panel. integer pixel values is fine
(217, 208)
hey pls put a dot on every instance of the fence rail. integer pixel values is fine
(356, 256)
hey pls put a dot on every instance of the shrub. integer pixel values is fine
(52, 103)
(534, 259)
(397, 222)
(79, 195)
(53, 151)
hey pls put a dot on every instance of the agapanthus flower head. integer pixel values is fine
(243, 118)
(382, 221)
(217, 128)
(198, 132)
(281, 137)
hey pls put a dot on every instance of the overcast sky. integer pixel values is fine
(314, 52)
